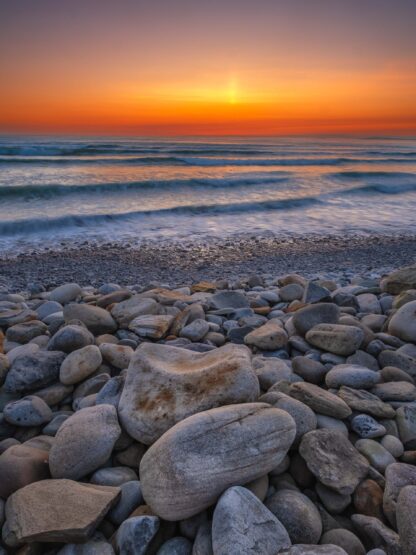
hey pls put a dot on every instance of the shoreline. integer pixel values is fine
(177, 263)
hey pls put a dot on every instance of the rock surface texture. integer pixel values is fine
(262, 414)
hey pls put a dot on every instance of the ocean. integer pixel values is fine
(56, 192)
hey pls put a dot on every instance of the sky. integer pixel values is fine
(191, 67)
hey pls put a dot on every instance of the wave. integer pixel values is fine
(197, 161)
(358, 175)
(46, 191)
(382, 188)
(36, 225)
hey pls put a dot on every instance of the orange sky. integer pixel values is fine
(230, 67)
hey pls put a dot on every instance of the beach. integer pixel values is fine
(177, 264)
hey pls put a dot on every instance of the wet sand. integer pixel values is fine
(177, 263)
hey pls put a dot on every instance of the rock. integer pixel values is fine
(269, 337)
(303, 416)
(306, 318)
(176, 546)
(228, 299)
(65, 293)
(336, 338)
(351, 375)
(21, 465)
(270, 370)
(406, 504)
(166, 384)
(196, 330)
(392, 374)
(80, 364)
(56, 511)
(96, 319)
(126, 311)
(84, 442)
(393, 445)
(395, 391)
(33, 371)
(55, 393)
(29, 411)
(113, 297)
(315, 293)
(187, 469)
(329, 423)
(344, 539)
(398, 475)
(153, 326)
(403, 323)
(47, 308)
(344, 466)
(135, 534)
(400, 280)
(366, 427)
(113, 476)
(302, 549)
(319, 400)
(399, 359)
(70, 338)
(10, 317)
(24, 332)
(377, 534)
(291, 292)
(310, 370)
(406, 424)
(130, 498)
(203, 540)
(242, 524)
(118, 356)
(298, 515)
(110, 393)
(95, 546)
(334, 502)
(368, 499)
(379, 457)
(363, 401)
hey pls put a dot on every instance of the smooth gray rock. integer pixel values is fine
(65, 293)
(334, 502)
(375, 453)
(110, 393)
(29, 411)
(125, 311)
(269, 337)
(228, 299)
(351, 375)
(310, 370)
(395, 392)
(376, 533)
(363, 401)
(31, 372)
(306, 318)
(344, 539)
(203, 540)
(298, 515)
(405, 514)
(113, 476)
(196, 330)
(187, 469)
(118, 356)
(130, 498)
(393, 445)
(176, 546)
(96, 546)
(242, 524)
(406, 424)
(336, 338)
(80, 364)
(398, 475)
(303, 416)
(84, 442)
(96, 319)
(166, 384)
(135, 534)
(302, 549)
(24, 332)
(319, 400)
(70, 338)
(344, 466)
(403, 323)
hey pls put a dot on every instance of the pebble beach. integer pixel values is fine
(268, 410)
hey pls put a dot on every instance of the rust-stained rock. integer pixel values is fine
(152, 326)
(166, 384)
